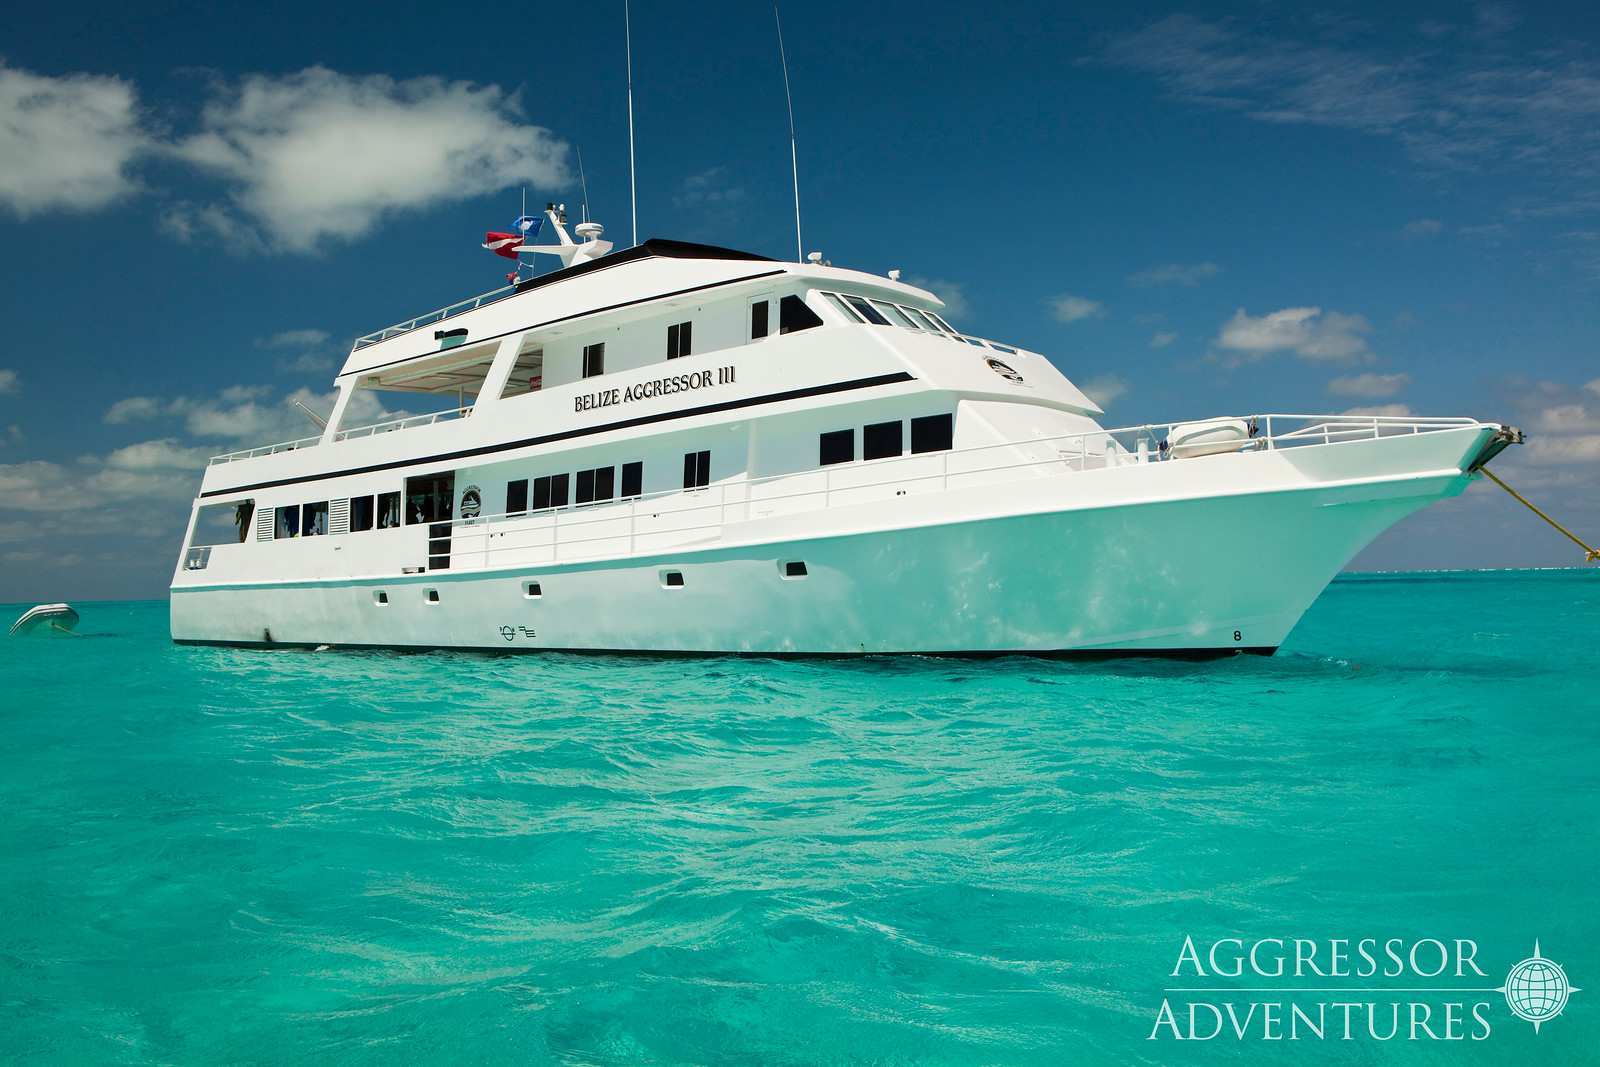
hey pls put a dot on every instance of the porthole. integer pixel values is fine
(433, 596)
(672, 579)
(380, 597)
(793, 569)
(531, 590)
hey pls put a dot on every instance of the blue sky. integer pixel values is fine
(1192, 210)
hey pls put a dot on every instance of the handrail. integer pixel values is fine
(1326, 429)
(403, 423)
(469, 304)
(265, 450)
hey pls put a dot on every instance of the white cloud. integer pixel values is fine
(163, 454)
(305, 351)
(320, 156)
(1069, 308)
(954, 294)
(1395, 411)
(66, 143)
(1105, 389)
(1593, 387)
(294, 339)
(710, 188)
(1185, 274)
(8, 381)
(1423, 228)
(1163, 339)
(1308, 332)
(132, 408)
(1369, 386)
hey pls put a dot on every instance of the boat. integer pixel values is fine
(679, 448)
(49, 619)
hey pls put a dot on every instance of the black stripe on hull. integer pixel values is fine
(1196, 654)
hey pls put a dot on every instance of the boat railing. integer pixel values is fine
(403, 423)
(266, 450)
(680, 517)
(432, 317)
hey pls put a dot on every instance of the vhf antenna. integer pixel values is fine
(633, 183)
(583, 183)
(794, 153)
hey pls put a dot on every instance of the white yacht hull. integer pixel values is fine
(1212, 574)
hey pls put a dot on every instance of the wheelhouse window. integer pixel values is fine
(430, 498)
(933, 433)
(837, 446)
(896, 316)
(696, 470)
(550, 491)
(597, 485)
(594, 359)
(758, 320)
(794, 315)
(679, 339)
(921, 320)
(362, 514)
(314, 519)
(287, 521)
(223, 524)
(867, 311)
(388, 510)
(949, 329)
(633, 478)
(844, 309)
(881, 440)
(517, 496)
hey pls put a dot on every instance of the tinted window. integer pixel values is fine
(595, 485)
(696, 470)
(558, 490)
(844, 309)
(541, 493)
(947, 327)
(594, 359)
(633, 478)
(362, 515)
(585, 487)
(794, 315)
(314, 519)
(880, 440)
(758, 320)
(933, 433)
(679, 339)
(288, 521)
(868, 312)
(896, 316)
(517, 496)
(838, 446)
(430, 498)
(388, 510)
(921, 320)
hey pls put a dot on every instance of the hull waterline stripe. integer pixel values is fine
(563, 318)
(587, 431)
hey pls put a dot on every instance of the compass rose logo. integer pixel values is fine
(1537, 989)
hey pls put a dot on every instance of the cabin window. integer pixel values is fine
(532, 590)
(288, 521)
(921, 320)
(550, 491)
(633, 478)
(380, 597)
(314, 519)
(933, 433)
(881, 440)
(758, 320)
(362, 515)
(672, 579)
(517, 496)
(430, 498)
(837, 446)
(794, 568)
(223, 524)
(949, 329)
(678, 339)
(867, 311)
(596, 485)
(594, 359)
(433, 596)
(844, 309)
(896, 316)
(793, 314)
(696, 470)
(388, 510)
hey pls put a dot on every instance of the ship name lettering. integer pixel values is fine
(654, 387)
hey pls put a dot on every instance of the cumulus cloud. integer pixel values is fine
(302, 351)
(294, 339)
(8, 381)
(248, 414)
(66, 143)
(954, 294)
(1163, 339)
(1185, 274)
(1369, 386)
(1069, 308)
(319, 156)
(1307, 332)
(709, 188)
(1394, 411)
(1105, 389)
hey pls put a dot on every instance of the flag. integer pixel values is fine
(502, 244)
(528, 225)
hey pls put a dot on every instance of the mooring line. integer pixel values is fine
(1591, 555)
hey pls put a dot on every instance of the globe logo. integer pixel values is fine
(1537, 989)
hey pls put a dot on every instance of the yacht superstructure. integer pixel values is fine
(680, 448)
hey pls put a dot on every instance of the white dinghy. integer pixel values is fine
(46, 619)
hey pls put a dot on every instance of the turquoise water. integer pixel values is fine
(237, 856)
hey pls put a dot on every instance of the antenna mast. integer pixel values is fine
(794, 153)
(583, 183)
(633, 184)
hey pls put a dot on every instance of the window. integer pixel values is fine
(594, 359)
(794, 568)
(844, 309)
(633, 478)
(527, 373)
(430, 498)
(362, 515)
(678, 339)
(672, 579)
(949, 329)
(314, 519)
(881, 440)
(517, 496)
(433, 596)
(794, 315)
(388, 510)
(531, 590)
(380, 597)
(921, 320)
(867, 311)
(933, 433)
(696, 470)
(838, 446)
(596, 485)
(896, 316)
(758, 320)
(550, 492)
(223, 524)
(288, 521)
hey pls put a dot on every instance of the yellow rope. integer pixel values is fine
(1590, 554)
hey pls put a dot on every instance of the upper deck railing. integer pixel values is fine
(678, 517)
(460, 307)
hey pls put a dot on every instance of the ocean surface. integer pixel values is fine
(213, 856)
